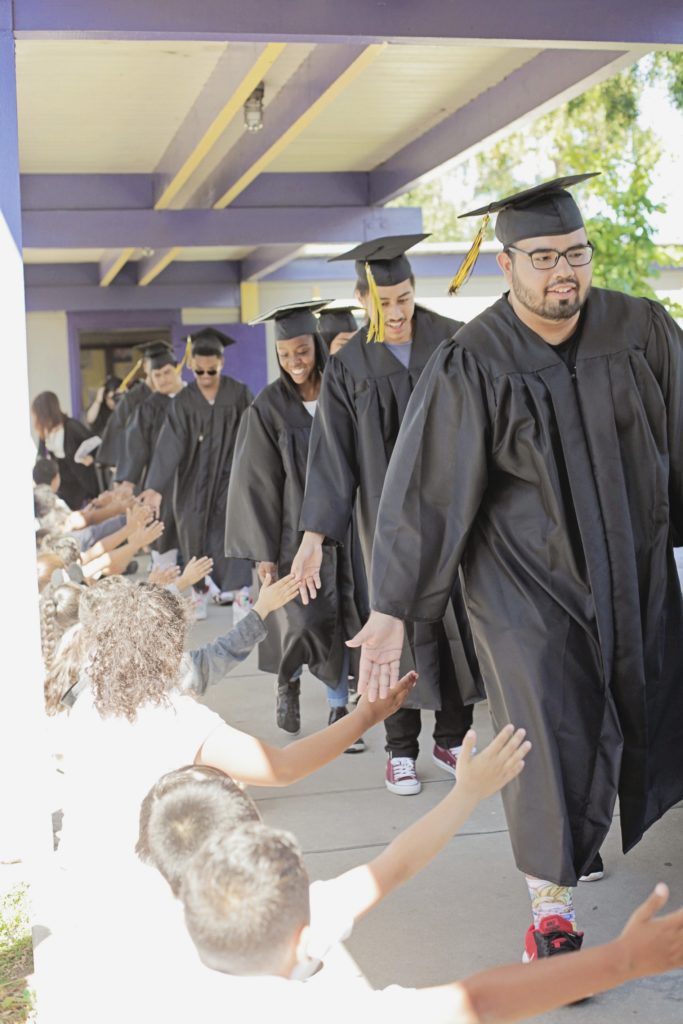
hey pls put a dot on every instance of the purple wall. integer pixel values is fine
(246, 360)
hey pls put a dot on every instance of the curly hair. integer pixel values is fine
(65, 548)
(134, 634)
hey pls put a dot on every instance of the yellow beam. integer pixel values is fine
(249, 301)
(118, 264)
(159, 265)
(324, 100)
(211, 136)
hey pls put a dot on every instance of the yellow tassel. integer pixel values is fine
(376, 328)
(467, 265)
(123, 386)
(186, 356)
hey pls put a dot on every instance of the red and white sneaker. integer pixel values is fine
(554, 935)
(446, 758)
(401, 776)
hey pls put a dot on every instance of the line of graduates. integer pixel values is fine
(512, 489)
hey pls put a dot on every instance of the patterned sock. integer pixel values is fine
(548, 898)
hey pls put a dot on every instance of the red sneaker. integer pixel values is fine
(445, 758)
(553, 935)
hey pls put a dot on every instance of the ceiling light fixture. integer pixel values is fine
(253, 110)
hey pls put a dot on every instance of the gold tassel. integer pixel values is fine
(185, 361)
(123, 386)
(467, 265)
(376, 328)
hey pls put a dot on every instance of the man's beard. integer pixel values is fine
(562, 309)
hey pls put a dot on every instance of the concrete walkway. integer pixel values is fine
(469, 909)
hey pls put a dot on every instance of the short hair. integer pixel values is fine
(44, 501)
(65, 547)
(44, 471)
(362, 287)
(182, 809)
(246, 896)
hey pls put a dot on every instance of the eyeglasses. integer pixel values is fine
(209, 373)
(546, 259)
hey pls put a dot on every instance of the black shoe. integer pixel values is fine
(288, 713)
(595, 872)
(358, 746)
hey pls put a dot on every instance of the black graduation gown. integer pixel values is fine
(140, 438)
(262, 523)
(78, 484)
(193, 457)
(557, 495)
(363, 399)
(112, 447)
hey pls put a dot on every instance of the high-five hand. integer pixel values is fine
(382, 640)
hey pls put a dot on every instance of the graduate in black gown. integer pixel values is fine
(364, 395)
(337, 325)
(193, 459)
(141, 436)
(264, 505)
(131, 393)
(559, 503)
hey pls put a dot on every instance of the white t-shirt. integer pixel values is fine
(311, 406)
(110, 765)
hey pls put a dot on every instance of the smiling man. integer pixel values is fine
(363, 398)
(541, 456)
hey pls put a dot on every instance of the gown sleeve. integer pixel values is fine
(433, 489)
(665, 355)
(109, 451)
(169, 449)
(332, 471)
(135, 447)
(253, 523)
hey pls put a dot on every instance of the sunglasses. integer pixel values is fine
(209, 373)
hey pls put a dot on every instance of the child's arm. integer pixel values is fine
(256, 763)
(478, 777)
(136, 519)
(212, 662)
(647, 946)
(195, 570)
(113, 563)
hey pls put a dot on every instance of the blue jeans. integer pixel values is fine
(338, 698)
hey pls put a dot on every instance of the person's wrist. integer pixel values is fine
(316, 538)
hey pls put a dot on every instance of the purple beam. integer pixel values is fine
(137, 191)
(432, 265)
(159, 229)
(269, 258)
(541, 80)
(317, 73)
(57, 275)
(659, 22)
(87, 191)
(48, 298)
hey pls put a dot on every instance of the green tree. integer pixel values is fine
(599, 130)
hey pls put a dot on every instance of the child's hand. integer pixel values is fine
(484, 774)
(195, 570)
(274, 595)
(137, 516)
(145, 535)
(264, 569)
(162, 577)
(382, 707)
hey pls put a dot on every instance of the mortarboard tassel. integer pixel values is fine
(376, 328)
(123, 386)
(467, 265)
(186, 355)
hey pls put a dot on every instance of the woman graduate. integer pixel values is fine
(264, 505)
(140, 439)
(193, 458)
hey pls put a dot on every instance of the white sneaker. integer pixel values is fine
(401, 776)
(199, 604)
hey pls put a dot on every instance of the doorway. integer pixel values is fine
(112, 353)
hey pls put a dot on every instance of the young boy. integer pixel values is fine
(247, 908)
(176, 820)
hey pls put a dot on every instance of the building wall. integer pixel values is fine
(48, 356)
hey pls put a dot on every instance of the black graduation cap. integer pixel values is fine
(334, 320)
(293, 319)
(209, 342)
(158, 353)
(545, 209)
(381, 263)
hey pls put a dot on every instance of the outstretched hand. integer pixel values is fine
(306, 566)
(195, 570)
(275, 595)
(486, 773)
(382, 640)
(162, 577)
(388, 704)
(654, 944)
